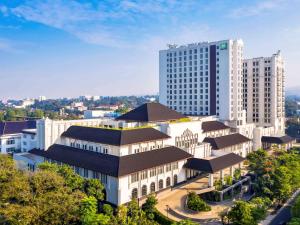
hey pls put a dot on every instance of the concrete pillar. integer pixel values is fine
(221, 196)
(231, 171)
(211, 180)
(222, 176)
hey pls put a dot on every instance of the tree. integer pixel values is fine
(108, 210)
(89, 215)
(39, 198)
(1, 116)
(38, 113)
(72, 180)
(10, 115)
(150, 204)
(241, 214)
(282, 183)
(294, 221)
(93, 187)
(194, 202)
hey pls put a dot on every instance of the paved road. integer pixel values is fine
(283, 217)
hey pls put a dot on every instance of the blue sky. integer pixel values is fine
(75, 47)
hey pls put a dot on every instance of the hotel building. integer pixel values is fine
(263, 91)
(203, 79)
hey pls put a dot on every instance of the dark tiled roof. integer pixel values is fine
(113, 136)
(215, 164)
(277, 140)
(213, 125)
(151, 112)
(14, 127)
(226, 141)
(109, 164)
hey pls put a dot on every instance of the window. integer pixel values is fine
(104, 178)
(10, 142)
(168, 182)
(175, 179)
(144, 174)
(161, 184)
(10, 149)
(175, 165)
(134, 193)
(152, 187)
(85, 173)
(168, 167)
(152, 172)
(134, 177)
(160, 170)
(95, 175)
(144, 190)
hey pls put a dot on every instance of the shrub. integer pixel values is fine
(107, 210)
(194, 202)
(228, 180)
(218, 185)
(161, 219)
(237, 174)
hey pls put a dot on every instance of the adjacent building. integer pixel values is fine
(263, 91)
(11, 133)
(203, 79)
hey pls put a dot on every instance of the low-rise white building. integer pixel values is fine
(149, 149)
(11, 135)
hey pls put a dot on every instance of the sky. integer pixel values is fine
(67, 48)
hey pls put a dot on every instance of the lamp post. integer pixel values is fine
(167, 210)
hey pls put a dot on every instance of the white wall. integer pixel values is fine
(4, 146)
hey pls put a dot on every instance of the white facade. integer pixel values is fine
(28, 140)
(203, 79)
(263, 92)
(10, 143)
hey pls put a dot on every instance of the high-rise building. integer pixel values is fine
(203, 79)
(263, 91)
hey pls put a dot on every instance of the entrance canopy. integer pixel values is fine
(215, 164)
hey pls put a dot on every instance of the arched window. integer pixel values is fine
(175, 179)
(134, 193)
(144, 190)
(152, 187)
(168, 182)
(161, 184)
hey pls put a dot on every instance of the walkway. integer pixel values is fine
(175, 201)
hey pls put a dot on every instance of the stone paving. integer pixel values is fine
(175, 201)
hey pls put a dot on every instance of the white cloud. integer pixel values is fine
(255, 9)
(92, 23)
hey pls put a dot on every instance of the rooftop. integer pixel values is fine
(151, 112)
(15, 127)
(215, 164)
(277, 139)
(208, 126)
(110, 164)
(115, 137)
(226, 141)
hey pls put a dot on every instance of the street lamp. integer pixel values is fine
(167, 210)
